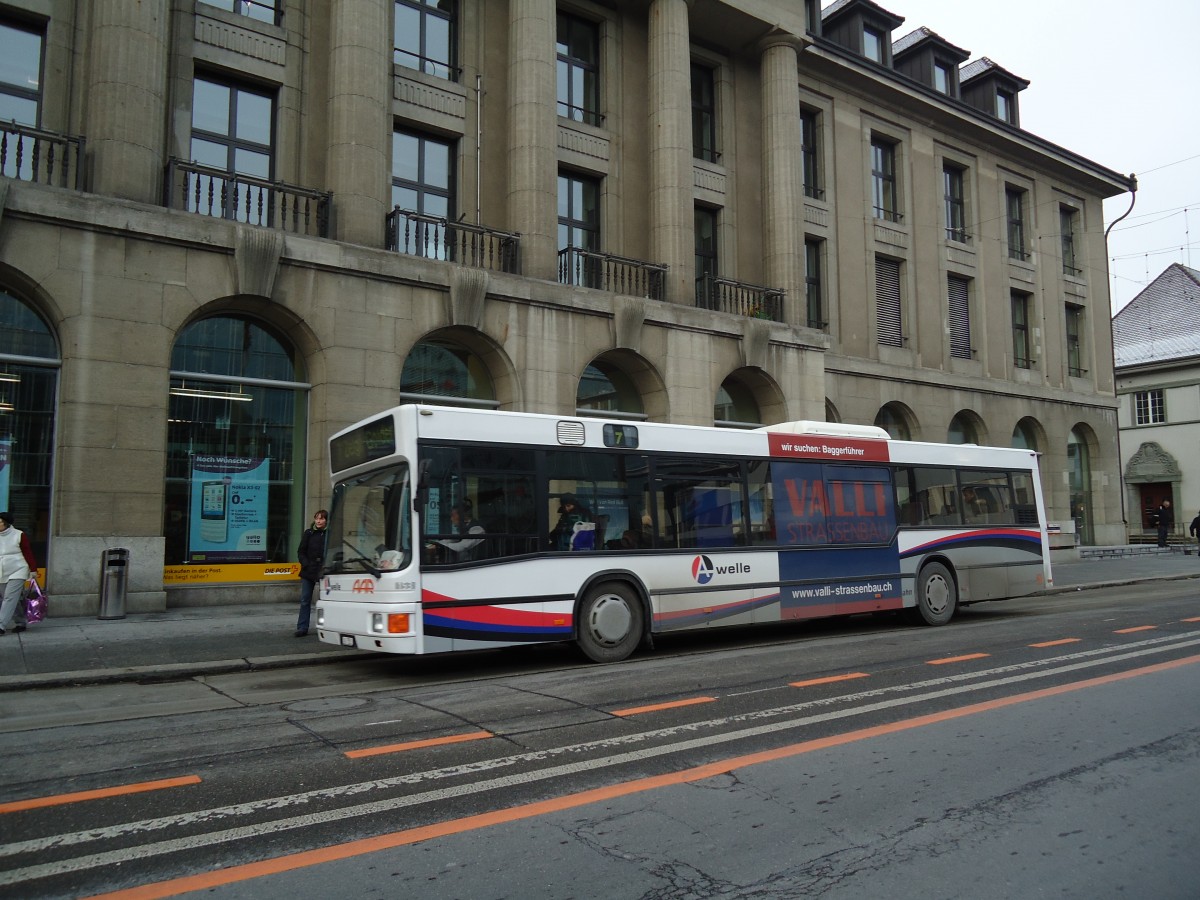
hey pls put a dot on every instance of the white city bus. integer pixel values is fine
(455, 529)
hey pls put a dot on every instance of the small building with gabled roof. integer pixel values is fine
(1156, 361)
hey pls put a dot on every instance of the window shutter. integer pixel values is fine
(887, 302)
(959, 291)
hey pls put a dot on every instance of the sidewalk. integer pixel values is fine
(182, 643)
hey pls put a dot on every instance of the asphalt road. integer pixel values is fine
(1040, 747)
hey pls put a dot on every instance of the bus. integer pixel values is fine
(460, 529)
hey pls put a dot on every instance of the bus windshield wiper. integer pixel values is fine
(366, 562)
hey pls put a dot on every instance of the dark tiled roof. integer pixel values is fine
(983, 66)
(1161, 323)
(878, 11)
(920, 36)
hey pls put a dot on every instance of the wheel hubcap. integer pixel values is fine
(610, 620)
(937, 596)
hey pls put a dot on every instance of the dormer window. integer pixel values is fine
(1005, 105)
(941, 78)
(873, 44)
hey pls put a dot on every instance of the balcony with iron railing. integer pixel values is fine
(617, 274)
(431, 237)
(243, 198)
(739, 298)
(40, 156)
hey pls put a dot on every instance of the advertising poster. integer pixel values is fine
(5, 470)
(227, 522)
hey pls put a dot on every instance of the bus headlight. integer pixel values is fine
(377, 623)
(320, 616)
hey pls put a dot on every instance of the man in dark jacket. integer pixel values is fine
(1165, 518)
(311, 554)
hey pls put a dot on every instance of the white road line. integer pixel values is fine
(117, 857)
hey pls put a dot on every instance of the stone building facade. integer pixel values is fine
(230, 229)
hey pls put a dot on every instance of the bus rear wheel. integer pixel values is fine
(937, 596)
(610, 622)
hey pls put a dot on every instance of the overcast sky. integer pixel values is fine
(1113, 81)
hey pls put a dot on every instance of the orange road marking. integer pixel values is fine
(830, 680)
(954, 659)
(1138, 628)
(417, 745)
(674, 704)
(1057, 643)
(234, 874)
(1193, 619)
(120, 790)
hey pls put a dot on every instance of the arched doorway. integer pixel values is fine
(1079, 479)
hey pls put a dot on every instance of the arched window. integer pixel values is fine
(893, 423)
(736, 406)
(1024, 437)
(961, 431)
(29, 363)
(604, 389)
(441, 369)
(236, 447)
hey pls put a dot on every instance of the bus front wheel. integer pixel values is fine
(610, 622)
(937, 596)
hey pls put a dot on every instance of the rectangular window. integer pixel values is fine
(809, 155)
(423, 191)
(20, 94)
(699, 503)
(941, 78)
(814, 294)
(578, 69)
(873, 44)
(706, 256)
(958, 290)
(704, 113)
(1014, 207)
(232, 130)
(887, 302)
(578, 230)
(1074, 318)
(1148, 408)
(1068, 219)
(261, 10)
(1020, 330)
(1006, 107)
(424, 36)
(953, 180)
(883, 180)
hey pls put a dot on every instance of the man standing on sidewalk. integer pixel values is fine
(1194, 529)
(1165, 518)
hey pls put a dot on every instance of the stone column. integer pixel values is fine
(783, 178)
(360, 96)
(533, 135)
(127, 99)
(672, 220)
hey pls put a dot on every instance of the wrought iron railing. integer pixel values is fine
(255, 201)
(44, 157)
(470, 245)
(606, 272)
(739, 298)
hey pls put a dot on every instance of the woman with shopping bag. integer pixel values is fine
(16, 566)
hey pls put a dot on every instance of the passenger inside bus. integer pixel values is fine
(463, 548)
(576, 529)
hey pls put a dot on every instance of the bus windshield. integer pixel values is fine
(370, 526)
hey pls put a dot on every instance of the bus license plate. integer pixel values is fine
(347, 640)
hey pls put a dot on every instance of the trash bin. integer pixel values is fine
(114, 580)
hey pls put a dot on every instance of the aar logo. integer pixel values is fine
(702, 570)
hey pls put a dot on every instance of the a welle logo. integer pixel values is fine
(703, 570)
